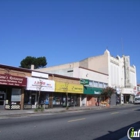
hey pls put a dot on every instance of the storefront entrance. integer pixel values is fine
(61, 100)
(2, 99)
(91, 101)
(126, 98)
(33, 100)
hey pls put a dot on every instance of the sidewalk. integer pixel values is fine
(54, 110)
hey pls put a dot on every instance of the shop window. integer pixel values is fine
(100, 84)
(91, 83)
(26, 97)
(95, 84)
(105, 85)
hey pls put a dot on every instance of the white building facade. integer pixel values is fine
(114, 72)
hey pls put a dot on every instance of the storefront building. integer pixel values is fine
(92, 95)
(67, 94)
(12, 84)
(38, 90)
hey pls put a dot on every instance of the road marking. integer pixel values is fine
(77, 120)
(115, 113)
(74, 111)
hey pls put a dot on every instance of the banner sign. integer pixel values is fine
(6, 79)
(38, 84)
(69, 88)
(84, 81)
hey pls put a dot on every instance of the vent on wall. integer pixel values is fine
(70, 71)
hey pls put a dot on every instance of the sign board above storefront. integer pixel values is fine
(127, 91)
(68, 88)
(11, 80)
(40, 75)
(38, 84)
(92, 90)
(84, 81)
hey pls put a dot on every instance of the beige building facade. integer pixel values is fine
(115, 71)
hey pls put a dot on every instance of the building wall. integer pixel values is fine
(99, 63)
(66, 72)
(133, 76)
(62, 79)
(59, 67)
(114, 74)
(116, 68)
(14, 72)
(91, 75)
(138, 87)
(84, 63)
(91, 101)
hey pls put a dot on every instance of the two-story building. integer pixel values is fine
(115, 72)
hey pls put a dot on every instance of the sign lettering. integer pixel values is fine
(6, 79)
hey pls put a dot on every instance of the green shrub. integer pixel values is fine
(42, 109)
(36, 110)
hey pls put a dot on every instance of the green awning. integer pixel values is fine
(92, 90)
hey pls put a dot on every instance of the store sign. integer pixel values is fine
(127, 91)
(6, 79)
(38, 84)
(69, 88)
(39, 74)
(84, 81)
(92, 90)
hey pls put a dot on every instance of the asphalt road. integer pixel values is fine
(107, 124)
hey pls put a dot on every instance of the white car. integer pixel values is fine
(137, 100)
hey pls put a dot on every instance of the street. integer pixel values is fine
(107, 124)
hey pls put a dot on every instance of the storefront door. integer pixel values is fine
(2, 100)
(34, 100)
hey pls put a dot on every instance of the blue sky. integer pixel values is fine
(68, 30)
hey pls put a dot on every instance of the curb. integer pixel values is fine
(62, 111)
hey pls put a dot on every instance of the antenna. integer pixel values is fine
(122, 47)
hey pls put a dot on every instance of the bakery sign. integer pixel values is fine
(10, 80)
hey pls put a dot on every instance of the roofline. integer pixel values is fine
(58, 65)
(29, 70)
(94, 71)
(63, 76)
(15, 68)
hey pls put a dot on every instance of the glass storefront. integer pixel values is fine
(60, 100)
(31, 98)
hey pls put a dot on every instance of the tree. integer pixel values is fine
(107, 92)
(38, 62)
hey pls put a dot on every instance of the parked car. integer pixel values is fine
(137, 99)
